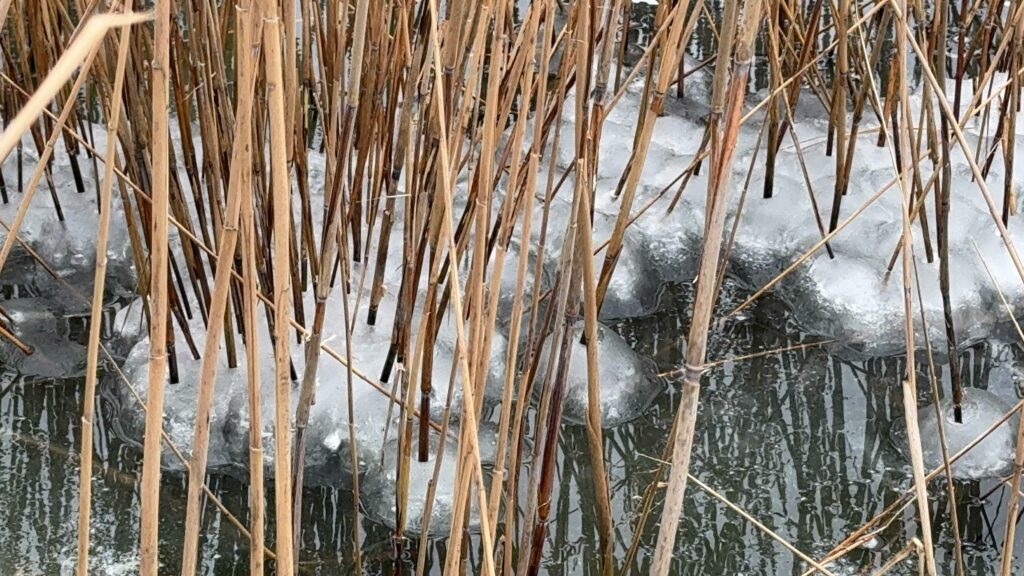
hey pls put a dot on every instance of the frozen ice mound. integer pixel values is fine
(69, 246)
(445, 359)
(327, 439)
(854, 298)
(629, 382)
(378, 494)
(990, 458)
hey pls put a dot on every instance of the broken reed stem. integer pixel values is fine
(158, 288)
(96, 310)
(723, 143)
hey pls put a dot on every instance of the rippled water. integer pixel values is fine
(799, 439)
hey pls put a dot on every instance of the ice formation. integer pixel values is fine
(327, 435)
(43, 299)
(852, 298)
(53, 353)
(69, 246)
(629, 382)
(990, 458)
(378, 493)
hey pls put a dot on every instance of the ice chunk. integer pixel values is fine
(629, 381)
(992, 457)
(445, 358)
(327, 443)
(378, 493)
(68, 246)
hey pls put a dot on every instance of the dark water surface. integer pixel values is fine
(799, 439)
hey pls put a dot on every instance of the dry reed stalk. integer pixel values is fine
(595, 437)
(469, 455)
(91, 34)
(328, 255)
(96, 310)
(837, 123)
(525, 204)
(281, 191)
(587, 148)
(481, 317)
(526, 376)
(249, 324)
(549, 415)
(5, 6)
(942, 206)
(723, 142)
(248, 53)
(902, 140)
(350, 406)
(158, 325)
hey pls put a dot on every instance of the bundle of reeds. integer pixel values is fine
(436, 130)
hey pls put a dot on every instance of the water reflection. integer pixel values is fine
(799, 439)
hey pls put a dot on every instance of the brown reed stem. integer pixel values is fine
(282, 288)
(96, 310)
(158, 325)
(723, 143)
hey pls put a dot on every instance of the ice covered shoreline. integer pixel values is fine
(848, 298)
